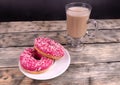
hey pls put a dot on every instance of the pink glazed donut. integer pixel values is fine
(33, 62)
(49, 48)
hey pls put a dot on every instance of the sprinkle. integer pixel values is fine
(49, 46)
(28, 61)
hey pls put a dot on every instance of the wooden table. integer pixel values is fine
(97, 64)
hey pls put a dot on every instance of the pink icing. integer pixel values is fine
(49, 46)
(29, 62)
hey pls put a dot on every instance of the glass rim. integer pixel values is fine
(82, 4)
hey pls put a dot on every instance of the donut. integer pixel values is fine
(33, 62)
(49, 48)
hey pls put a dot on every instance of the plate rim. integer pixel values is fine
(68, 64)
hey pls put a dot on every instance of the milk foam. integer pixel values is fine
(78, 11)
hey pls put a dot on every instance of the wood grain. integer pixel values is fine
(92, 53)
(105, 74)
(96, 53)
(14, 77)
(51, 25)
(27, 39)
(84, 74)
(97, 64)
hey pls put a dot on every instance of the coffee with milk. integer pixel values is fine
(77, 18)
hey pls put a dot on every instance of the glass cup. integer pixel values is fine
(77, 14)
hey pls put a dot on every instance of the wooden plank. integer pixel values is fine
(105, 73)
(9, 56)
(113, 80)
(92, 53)
(14, 77)
(27, 39)
(32, 26)
(81, 74)
(19, 39)
(109, 23)
(95, 53)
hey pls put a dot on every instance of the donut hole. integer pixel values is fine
(36, 57)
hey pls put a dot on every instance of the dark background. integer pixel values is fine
(27, 10)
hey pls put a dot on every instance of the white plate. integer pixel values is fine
(59, 67)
